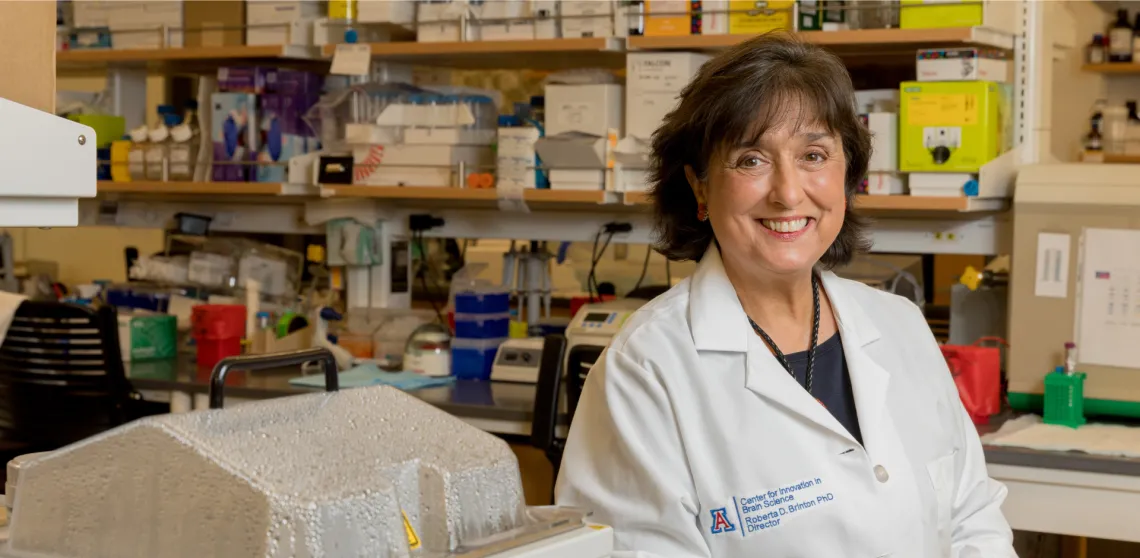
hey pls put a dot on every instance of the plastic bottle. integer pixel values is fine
(1120, 38)
(136, 157)
(184, 139)
(158, 149)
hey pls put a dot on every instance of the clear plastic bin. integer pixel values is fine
(472, 359)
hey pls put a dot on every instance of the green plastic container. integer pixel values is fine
(1065, 398)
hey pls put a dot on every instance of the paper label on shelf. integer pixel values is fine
(1052, 265)
(1108, 301)
(938, 109)
(351, 60)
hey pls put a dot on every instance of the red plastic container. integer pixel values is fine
(218, 330)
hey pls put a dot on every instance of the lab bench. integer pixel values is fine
(503, 408)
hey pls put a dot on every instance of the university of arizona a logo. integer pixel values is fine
(720, 522)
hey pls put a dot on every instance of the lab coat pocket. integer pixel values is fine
(941, 472)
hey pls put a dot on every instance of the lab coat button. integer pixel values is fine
(881, 473)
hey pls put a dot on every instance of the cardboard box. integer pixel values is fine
(547, 24)
(932, 14)
(594, 109)
(285, 134)
(654, 81)
(711, 18)
(281, 22)
(588, 18)
(577, 161)
(136, 24)
(885, 184)
(884, 127)
(962, 64)
(216, 23)
(441, 22)
(668, 18)
(941, 184)
(235, 134)
(417, 165)
(396, 12)
(947, 126)
(515, 157)
(750, 17)
(506, 20)
(821, 15)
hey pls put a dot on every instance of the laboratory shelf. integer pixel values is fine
(895, 203)
(462, 194)
(1112, 68)
(95, 58)
(878, 42)
(1129, 159)
(538, 54)
(206, 188)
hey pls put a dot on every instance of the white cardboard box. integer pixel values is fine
(594, 109)
(440, 22)
(547, 22)
(588, 18)
(962, 64)
(416, 165)
(884, 127)
(506, 20)
(654, 80)
(397, 12)
(281, 22)
(885, 184)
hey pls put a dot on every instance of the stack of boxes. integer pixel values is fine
(654, 81)
(281, 22)
(257, 122)
(956, 118)
(583, 125)
(879, 110)
(425, 139)
(135, 24)
(482, 323)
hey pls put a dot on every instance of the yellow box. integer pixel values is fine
(677, 19)
(755, 16)
(953, 126)
(932, 14)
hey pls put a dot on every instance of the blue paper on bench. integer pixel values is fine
(370, 375)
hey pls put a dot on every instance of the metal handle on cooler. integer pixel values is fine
(277, 360)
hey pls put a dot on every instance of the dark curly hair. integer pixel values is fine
(736, 97)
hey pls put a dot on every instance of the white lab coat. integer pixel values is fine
(692, 440)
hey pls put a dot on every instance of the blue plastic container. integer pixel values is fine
(491, 302)
(471, 359)
(482, 326)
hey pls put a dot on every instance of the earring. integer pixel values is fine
(702, 212)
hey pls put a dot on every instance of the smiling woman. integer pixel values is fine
(764, 406)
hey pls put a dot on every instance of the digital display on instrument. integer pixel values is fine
(594, 318)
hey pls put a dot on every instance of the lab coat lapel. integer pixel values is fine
(766, 377)
(869, 380)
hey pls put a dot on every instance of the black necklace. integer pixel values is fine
(814, 338)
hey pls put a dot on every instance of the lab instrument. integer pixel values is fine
(47, 162)
(518, 360)
(597, 323)
(323, 474)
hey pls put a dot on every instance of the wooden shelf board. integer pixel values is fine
(195, 188)
(1112, 68)
(855, 41)
(892, 203)
(462, 194)
(1129, 159)
(91, 58)
(534, 54)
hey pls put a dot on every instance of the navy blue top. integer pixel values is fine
(831, 383)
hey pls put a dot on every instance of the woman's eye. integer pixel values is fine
(815, 157)
(749, 163)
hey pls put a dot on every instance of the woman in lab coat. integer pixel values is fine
(765, 407)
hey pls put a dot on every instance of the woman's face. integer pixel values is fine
(776, 206)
